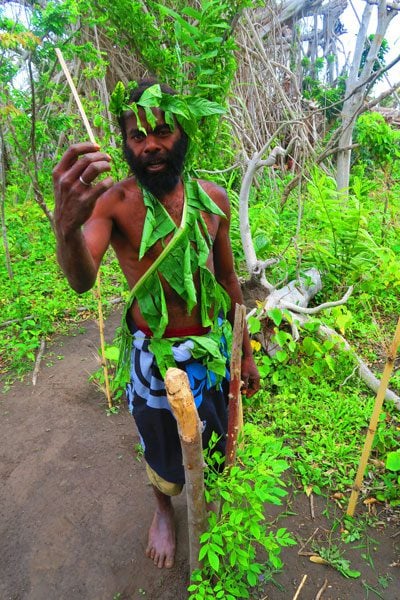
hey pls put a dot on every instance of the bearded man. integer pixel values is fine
(170, 234)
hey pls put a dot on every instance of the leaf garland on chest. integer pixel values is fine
(185, 254)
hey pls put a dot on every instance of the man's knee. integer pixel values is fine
(166, 487)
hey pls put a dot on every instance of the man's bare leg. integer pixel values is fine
(162, 543)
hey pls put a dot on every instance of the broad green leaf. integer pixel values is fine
(112, 353)
(281, 355)
(254, 325)
(275, 315)
(393, 461)
(201, 107)
(151, 96)
(213, 560)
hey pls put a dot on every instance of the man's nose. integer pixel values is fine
(152, 143)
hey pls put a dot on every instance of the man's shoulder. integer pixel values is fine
(126, 189)
(212, 188)
(217, 193)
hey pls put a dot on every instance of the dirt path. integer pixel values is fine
(75, 505)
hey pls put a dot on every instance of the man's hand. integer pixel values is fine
(75, 190)
(250, 377)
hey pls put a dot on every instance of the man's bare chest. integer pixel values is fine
(129, 227)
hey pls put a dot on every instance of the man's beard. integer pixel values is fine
(162, 182)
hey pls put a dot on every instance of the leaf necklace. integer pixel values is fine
(185, 254)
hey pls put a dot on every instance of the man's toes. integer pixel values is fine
(169, 563)
(159, 560)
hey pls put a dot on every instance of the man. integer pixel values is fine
(171, 237)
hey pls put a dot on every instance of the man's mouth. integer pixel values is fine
(155, 165)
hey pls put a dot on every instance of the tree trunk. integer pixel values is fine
(2, 206)
(357, 84)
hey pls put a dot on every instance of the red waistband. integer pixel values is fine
(179, 331)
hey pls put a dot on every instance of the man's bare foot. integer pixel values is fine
(161, 544)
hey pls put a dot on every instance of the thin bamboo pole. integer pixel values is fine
(235, 416)
(374, 420)
(75, 95)
(181, 400)
(98, 283)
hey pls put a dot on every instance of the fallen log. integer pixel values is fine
(181, 400)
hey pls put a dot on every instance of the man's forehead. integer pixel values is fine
(131, 117)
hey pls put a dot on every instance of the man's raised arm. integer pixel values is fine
(76, 194)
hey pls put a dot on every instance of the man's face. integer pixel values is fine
(156, 159)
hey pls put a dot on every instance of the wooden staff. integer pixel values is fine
(374, 420)
(98, 284)
(184, 409)
(235, 417)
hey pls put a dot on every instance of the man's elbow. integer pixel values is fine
(80, 288)
(227, 280)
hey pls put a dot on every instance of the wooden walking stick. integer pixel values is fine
(98, 284)
(184, 409)
(235, 416)
(374, 420)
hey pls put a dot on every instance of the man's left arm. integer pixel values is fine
(226, 276)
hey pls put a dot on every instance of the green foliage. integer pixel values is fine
(190, 49)
(334, 557)
(328, 97)
(379, 143)
(338, 218)
(230, 547)
(321, 412)
(39, 290)
(111, 355)
(380, 60)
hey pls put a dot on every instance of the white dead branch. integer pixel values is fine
(256, 268)
(294, 298)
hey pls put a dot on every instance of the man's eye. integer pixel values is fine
(138, 136)
(164, 131)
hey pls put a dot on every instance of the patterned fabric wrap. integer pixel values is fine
(149, 405)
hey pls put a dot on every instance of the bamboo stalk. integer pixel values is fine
(374, 420)
(184, 409)
(102, 342)
(297, 594)
(98, 283)
(235, 416)
(75, 95)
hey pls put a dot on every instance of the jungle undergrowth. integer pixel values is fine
(321, 411)
(240, 547)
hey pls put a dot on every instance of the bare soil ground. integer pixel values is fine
(75, 505)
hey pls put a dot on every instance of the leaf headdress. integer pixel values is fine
(186, 109)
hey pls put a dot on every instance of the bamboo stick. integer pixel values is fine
(75, 95)
(297, 594)
(374, 420)
(184, 409)
(98, 283)
(235, 416)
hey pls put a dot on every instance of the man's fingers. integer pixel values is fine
(90, 172)
(72, 154)
(90, 193)
(250, 386)
(84, 172)
(102, 186)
